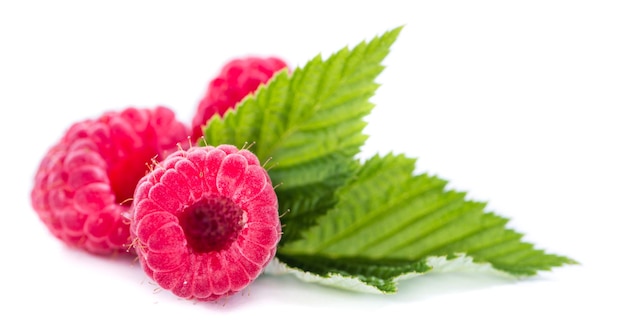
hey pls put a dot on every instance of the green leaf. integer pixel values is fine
(310, 124)
(380, 274)
(370, 223)
(388, 222)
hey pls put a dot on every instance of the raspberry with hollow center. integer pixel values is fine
(237, 79)
(84, 183)
(211, 224)
(205, 221)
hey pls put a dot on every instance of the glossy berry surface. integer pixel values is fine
(84, 185)
(237, 79)
(205, 221)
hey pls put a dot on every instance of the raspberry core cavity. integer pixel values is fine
(211, 224)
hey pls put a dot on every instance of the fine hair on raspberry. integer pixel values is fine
(84, 184)
(205, 221)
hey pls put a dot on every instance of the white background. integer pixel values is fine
(520, 103)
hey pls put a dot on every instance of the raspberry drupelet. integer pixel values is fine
(237, 79)
(84, 185)
(205, 221)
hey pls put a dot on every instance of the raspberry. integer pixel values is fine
(205, 221)
(84, 182)
(237, 79)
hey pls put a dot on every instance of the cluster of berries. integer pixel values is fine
(203, 220)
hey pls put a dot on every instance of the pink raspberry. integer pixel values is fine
(85, 182)
(205, 221)
(237, 79)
